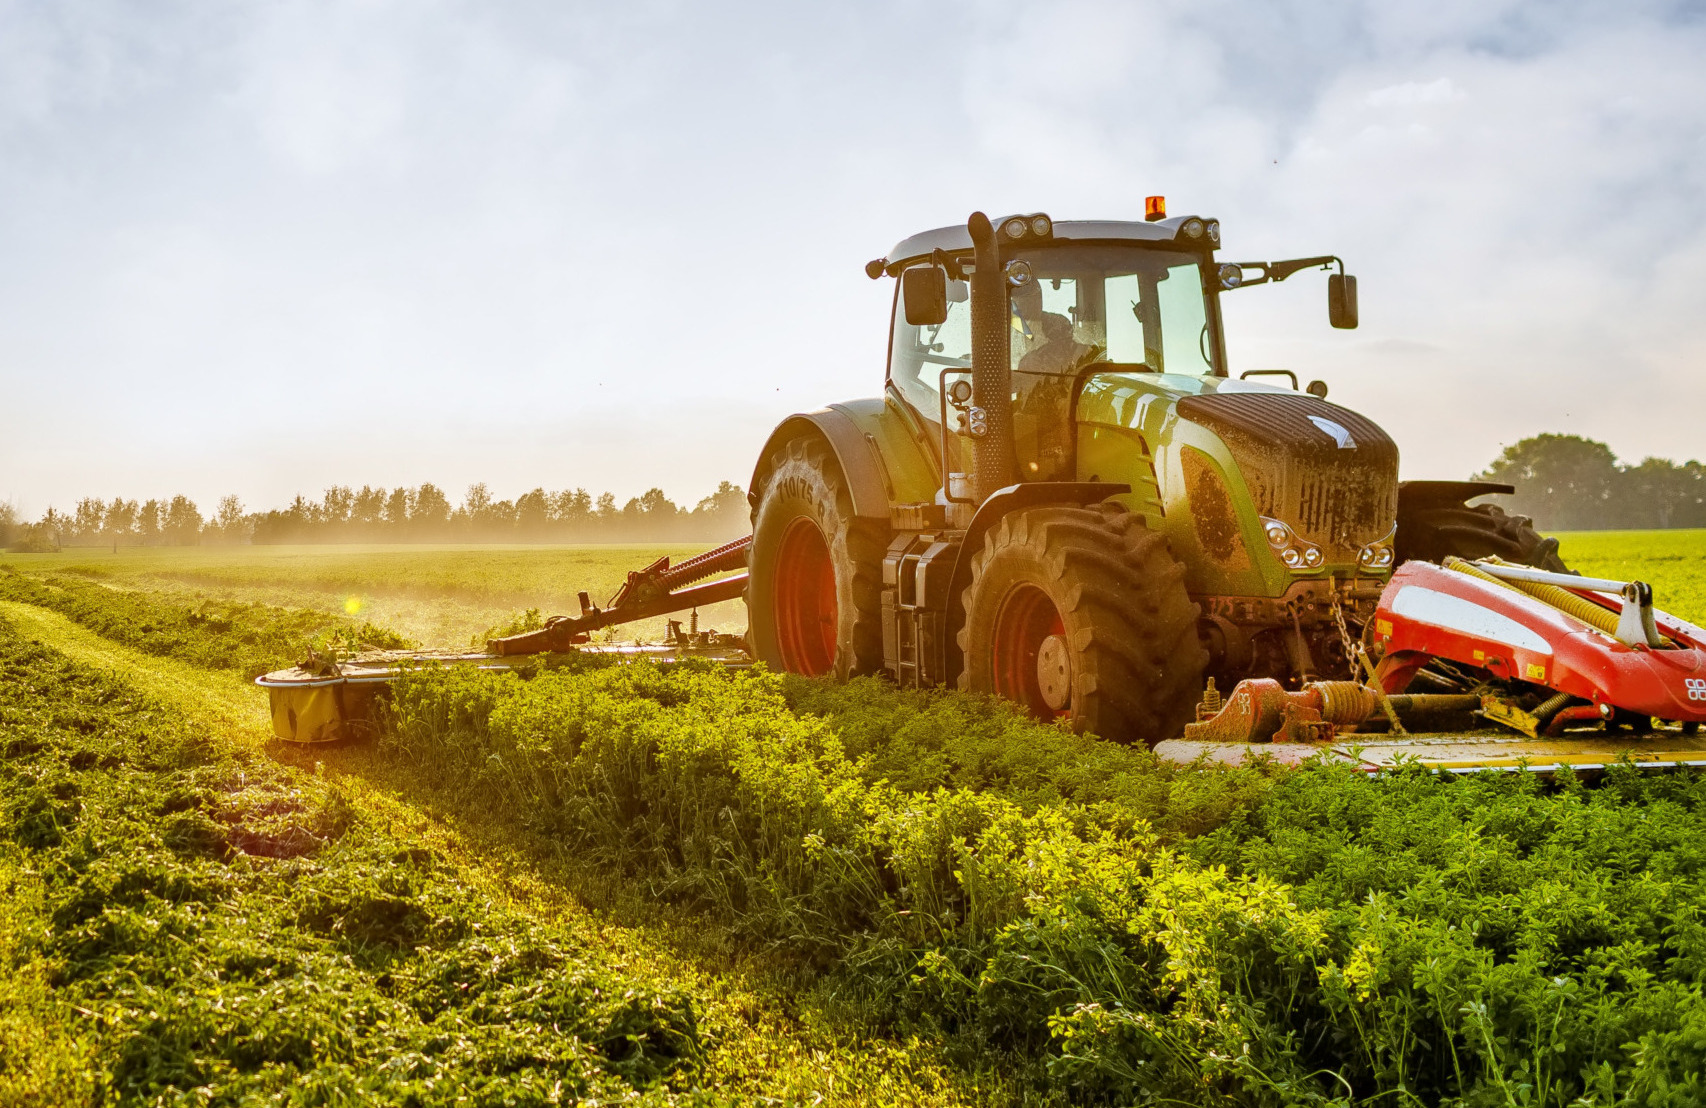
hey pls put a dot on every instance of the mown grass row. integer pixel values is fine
(1132, 931)
(185, 924)
(249, 638)
(1137, 934)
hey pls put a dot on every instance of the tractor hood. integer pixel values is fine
(1233, 454)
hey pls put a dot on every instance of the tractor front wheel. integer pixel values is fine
(814, 596)
(1081, 615)
(1432, 530)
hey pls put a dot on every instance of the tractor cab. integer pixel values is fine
(1085, 298)
(1079, 300)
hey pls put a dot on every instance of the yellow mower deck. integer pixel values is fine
(1469, 752)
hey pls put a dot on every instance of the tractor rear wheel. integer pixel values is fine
(814, 596)
(1081, 615)
(1431, 532)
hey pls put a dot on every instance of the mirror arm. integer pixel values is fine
(1279, 271)
(950, 264)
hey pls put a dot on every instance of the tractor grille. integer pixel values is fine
(1325, 470)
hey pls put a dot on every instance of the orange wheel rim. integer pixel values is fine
(1027, 620)
(807, 616)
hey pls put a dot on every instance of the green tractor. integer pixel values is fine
(1064, 496)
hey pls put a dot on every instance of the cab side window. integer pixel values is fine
(920, 354)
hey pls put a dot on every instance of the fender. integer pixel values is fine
(1000, 503)
(1416, 496)
(853, 453)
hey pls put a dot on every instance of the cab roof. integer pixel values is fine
(957, 240)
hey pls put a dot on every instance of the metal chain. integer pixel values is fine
(1354, 653)
(1345, 640)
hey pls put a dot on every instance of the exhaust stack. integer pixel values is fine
(995, 463)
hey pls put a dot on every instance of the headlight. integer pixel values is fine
(1214, 231)
(1193, 228)
(1014, 228)
(1378, 555)
(1296, 554)
(1018, 272)
(1040, 225)
(1231, 276)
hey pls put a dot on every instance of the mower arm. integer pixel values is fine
(657, 590)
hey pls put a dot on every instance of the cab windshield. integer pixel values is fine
(1108, 307)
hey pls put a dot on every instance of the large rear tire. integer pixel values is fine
(1431, 532)
(1081, 615)
(814, 598)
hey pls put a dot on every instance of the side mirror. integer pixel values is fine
(1342, 301)
(924, 292)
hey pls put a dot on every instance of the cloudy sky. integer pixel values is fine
(264, 248)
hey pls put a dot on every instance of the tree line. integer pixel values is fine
(1565, 482)
(368, 514)
(1570, 483)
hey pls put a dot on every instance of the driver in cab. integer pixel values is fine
(1048, 355)
(1044, 336)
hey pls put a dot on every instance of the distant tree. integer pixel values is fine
(532, 515)
(429, 512)
(337, 506)
(571, 512)
(1565, 482)
(87, 523)
(725, 513)
(607, 510)
(121, 519)
(651, 515)
(1660, 493)
(368, 511)
(148, 522)
(229, 523)
(397, 510)
(477, 501)
(183, 522)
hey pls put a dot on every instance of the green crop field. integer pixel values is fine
(1673, 562)
(691, 886)
(439, 596)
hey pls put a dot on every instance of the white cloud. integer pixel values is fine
(1413, 93)
(303, 243)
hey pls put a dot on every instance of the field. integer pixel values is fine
(693, 887)
(439, 596)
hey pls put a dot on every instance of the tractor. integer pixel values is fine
(1064, 496)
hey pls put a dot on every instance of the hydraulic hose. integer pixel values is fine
(1554, 596)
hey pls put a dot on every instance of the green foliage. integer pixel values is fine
(530, 620)
(1200, 936)
(250, 638)
(232, 932)
(920, 741)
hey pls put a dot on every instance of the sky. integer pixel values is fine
(262, 249)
